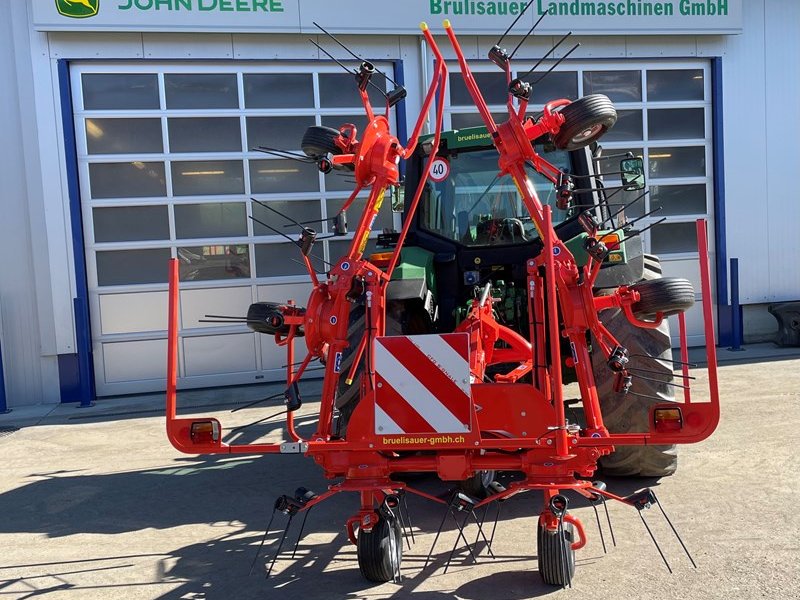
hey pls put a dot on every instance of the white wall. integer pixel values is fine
(762, 123)
(761, 75)
(26, 307)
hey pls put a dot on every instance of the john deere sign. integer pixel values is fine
(77, 9)
(489, 17)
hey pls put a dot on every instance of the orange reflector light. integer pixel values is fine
(381, 259)
(668, 419)
(205, 432)
(611, 241)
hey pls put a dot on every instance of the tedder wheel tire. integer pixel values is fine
(668, 295)
(318, 141)
(585, 120)
(380, 551)
(553, 552)
(477, 486)
(626, 413)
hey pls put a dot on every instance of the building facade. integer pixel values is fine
(131, 126)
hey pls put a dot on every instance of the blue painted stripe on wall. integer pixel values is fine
(3, 403)
(721, 255)
(81, 302)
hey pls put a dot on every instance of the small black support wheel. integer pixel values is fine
(380, 551)
(319, 141)
(555, 555)
(477, 486)
(667, 295)
(585, 120)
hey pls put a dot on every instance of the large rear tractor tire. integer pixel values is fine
(626, 413)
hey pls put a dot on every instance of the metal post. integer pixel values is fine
(736, 308)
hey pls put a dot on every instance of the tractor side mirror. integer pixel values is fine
(632, 170)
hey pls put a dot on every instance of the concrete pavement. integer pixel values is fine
(94, 503)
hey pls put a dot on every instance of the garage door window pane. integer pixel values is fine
(284, 133)
(492, 85)
(216, 134)
(339, 248)
(558, 84)
(120, 91)
(673, 238)
(207, 263)
(201, 90)
(215, 219)
(132, 267)
(123, 136)
(339, 89)
(676, 124)
(278, 260)
(473, 119)
(130, 223)
(679, 199)
(301, 211)
(678, 162)
(336, 121)
(127, 180)
(627, 127)
(619, 86)
(282, 176)
(683, 84)
(207, 178)
(278, 90)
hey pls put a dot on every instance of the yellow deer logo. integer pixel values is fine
(78, 9)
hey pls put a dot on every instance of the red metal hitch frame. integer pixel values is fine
(520, 426)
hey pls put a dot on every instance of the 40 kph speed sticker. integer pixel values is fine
(440, 169)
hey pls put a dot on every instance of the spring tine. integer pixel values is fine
(608, 518)
(675, 531)
(562, 552)
(261, 545)
(436, 538)
(652, 537)
(249, 404)
(257, 422)
(280, 545)
(653, 371)
(482, 521)
(403, 526)
(300, 535)
(481, 534)
(494, 527)
(674, 362)
(685, 387)
(460, 536)
(408, 518)
(600, 529)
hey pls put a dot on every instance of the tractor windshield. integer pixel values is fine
(472, 205)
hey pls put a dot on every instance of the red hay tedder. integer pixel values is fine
(430, 403)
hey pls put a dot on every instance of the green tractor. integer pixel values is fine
(471, 228)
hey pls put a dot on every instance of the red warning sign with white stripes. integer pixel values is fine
(423, 384)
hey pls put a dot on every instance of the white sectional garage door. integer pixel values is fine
(664, 115)
(167, 169)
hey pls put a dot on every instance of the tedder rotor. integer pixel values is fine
(437, 403)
